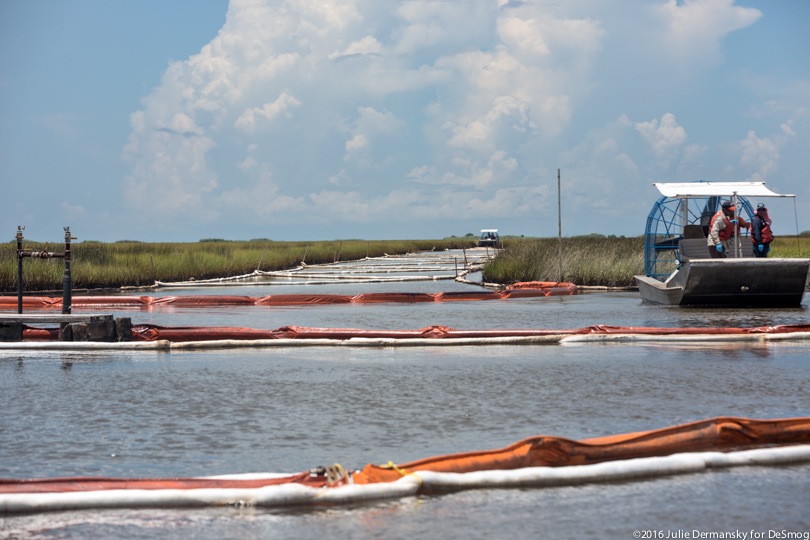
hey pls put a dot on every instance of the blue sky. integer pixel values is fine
(374, 119)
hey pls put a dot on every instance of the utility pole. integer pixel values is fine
(559, 225)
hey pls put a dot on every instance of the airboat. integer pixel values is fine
(489, 238)
(679, 270)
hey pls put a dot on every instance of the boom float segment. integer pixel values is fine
(541, 461)
(540, 289)
(190, 337)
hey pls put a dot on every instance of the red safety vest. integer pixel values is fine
(726, 233)
(764, 231)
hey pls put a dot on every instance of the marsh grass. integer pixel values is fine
(97, 265)
(791, 247)
(592, 260)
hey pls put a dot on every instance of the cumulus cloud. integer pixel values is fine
(410, 90)
(507, 117)
(695, 28)
(267, 112)
(760, 156)
(664, 137)
(365, 46)
(601, 165)
(356, 110)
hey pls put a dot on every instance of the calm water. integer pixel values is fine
(218, 412)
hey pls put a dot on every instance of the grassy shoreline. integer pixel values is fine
(592, 260)
(98, 265)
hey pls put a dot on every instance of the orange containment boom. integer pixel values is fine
(227, 336)
(539, 289)
(149, 332)
(721, 434)
(540, 461)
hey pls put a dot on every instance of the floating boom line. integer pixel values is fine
(441, 266)
(154, 337)
(536, 462)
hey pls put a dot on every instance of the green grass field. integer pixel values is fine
(592, 260)
(97, 265)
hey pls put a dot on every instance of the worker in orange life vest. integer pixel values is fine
(761, 234)
(721, 230)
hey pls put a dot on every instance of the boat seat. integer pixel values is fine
(693, 231)
(696, 248)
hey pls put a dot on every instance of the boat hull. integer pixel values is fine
(747, 282)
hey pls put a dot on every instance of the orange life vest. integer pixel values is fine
(728, 231)
(764, 231)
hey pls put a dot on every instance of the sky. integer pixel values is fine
(391, 119)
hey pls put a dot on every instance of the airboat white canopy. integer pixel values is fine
(716, 189)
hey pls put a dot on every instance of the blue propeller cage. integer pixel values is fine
(665, 228)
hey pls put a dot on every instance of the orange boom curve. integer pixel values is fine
(538, 289)
(719, 435)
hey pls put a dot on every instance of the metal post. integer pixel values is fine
(19, 268)
(67, 285)
(737, 241)
(559, 225)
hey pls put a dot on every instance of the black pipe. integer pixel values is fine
(19, 269)
(67, 281)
